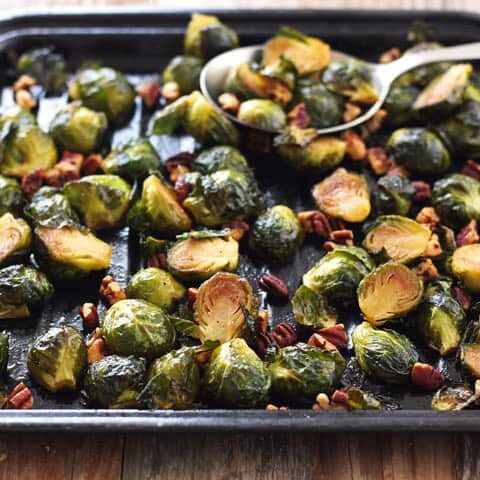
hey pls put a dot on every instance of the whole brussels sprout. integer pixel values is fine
(465, 266)
(419, 150)
(104, 90)
(222, 157)
(158, 210)
(338, 273)
(300, 372)
(115, 381)
(57, 359)
(393, 195)
(236, 377)
(399, 103)
(262, 113)
(155, 286)
(70, 253)
(384, 354)
(276, 234)
(173, 381)
(11, 196)
(132, 159)
(22, 290)
(15, 239)
(184, 70)
(400, 238)
(78, 128)
(221, 307)
(101, 200)
(343, 195)
(311, 309)
(139, 328)
(456, 199)
(4, 352)
(390, 291)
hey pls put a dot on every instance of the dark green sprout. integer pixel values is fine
(222, 157)
(311, 309)
(393, 195)
(184, 70)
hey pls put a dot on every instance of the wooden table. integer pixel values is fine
(392, 456)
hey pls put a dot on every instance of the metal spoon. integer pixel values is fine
(214, 73)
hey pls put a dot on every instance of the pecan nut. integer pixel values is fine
(274, 286)
(24, 82)
(355, 146)
(32, 182)
(25, 99)
(468, 235)
(272, 407)
(262, 321)
(158, 261)
(428, 216)
(229, 102)
(378, 160)
(179, 165)
(390, 55)
(92, 164)
(342, 237)
(376, 122)
(422, 191)
(284, 335)
(64, 171)
(434, 247)
(472, 169)
(238, 229)
(89, 314)
(335, 334)
(181, 189)
(426, 270)
(462, 297)
(96, 349)
(318, 341)
(322, 402)
(171, 91)
(426, 377)
(316, 222)
(20, 398)
(111, 291)
(351, 112)
(299, 116)
(150, 93)
(264, 340)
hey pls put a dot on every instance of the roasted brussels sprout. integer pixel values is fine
(221, 307)
(339, 272)
(70, 253)
(456, 199)
(158, 210)
(236, 377)
(132, 159)
(173, 381)
(101, 200)
(300, 372)
(399, 103)
(139, 328)
(15, 239)
(78, 128)
(11, 196)
(115, 381)
(4, 352)
(419, 150)
(263, 114)
(199, 258)
(276, 234)
(104, 90)
(470, 358)
(155, 286)
(311, 309)
(384, 354)
(453, 398)
(22, 290)
(343, 195)
(184, 70)
(222, 157)
(390, 291)
(465, 265)
(57, 359)
(400, 238)
(393, 195)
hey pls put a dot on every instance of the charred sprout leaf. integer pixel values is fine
(343, 195)
(465, 265)
(384, 354)
(263, 114)
(222, 157)
(115, 381)
(311, 309)
(359, 400)
(15, 239)
(300, 372)
(453, 398)
(139, 328)
(390, 291)
(11, 196)
(283, 70)
(393, 195)
(187, 327)
(399, 103)
(236, 377)
(184, 70)
(276, 234)
(57, 359)
(221, 307)
(4, 352)
(22, 290)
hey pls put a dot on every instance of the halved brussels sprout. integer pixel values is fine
(222, 157)
(399, 103)
(15, 239)
(276, 234)
(339, 272)
(456, 199)
(155, 286)
(115, 381)
(139, 328)
(263, 114)
(173, 381)
(70, 253)
(22, 291)
(158, 210)
(221, 306)
(184, 70)
(401, 238)
(343, 195)
(132, 159)
(78, 128)
(11, 196)
(236, 377)
(384, 354)
(308, 54)
(199, 258)
(390, 291)
(470, 358)
(393, 195)
(57, 359)
(453, 398)
(465, 265)
(170, 118)
(104, 90)
(311, 309)
(300, 372)
(101, 200)
(283, 70)
(419, 150)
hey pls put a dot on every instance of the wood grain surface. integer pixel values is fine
(392, 456)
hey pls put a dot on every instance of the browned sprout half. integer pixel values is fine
(456, 397)
(221, 305)
(470, 357)
(390, 291)
(466, 266)
(343, 195)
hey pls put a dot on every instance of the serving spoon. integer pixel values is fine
(214, 73)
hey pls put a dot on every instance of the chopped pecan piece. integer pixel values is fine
(317, 340)
(426, 270)
(472, 169)
(426, 377)
(355, 148)
(262, 321)
(342, 237)
(274, 286)
(271, 406)
(179, 164)
(428, 216)
(89, 314)
(229, 102)
(376, 122)
(322, 402)
(171, 91)
(158, 261)
(25, 99)
(111, 291)
(284, 335)
(462, 297)
(150, 93)
(378, 160)
(335, 334)
(20, 398)
(24, 82)
(95, 347)
(390, 55)
(314, 221)
(64, 171)
(422, 191)
(299, 116)
(328, 246)
(92, 164)
(434, 248)
(264, 340)
(468, 235)
(351, 112)
(238, 229)
(32, 182)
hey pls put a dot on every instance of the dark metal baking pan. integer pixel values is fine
(140, 43)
